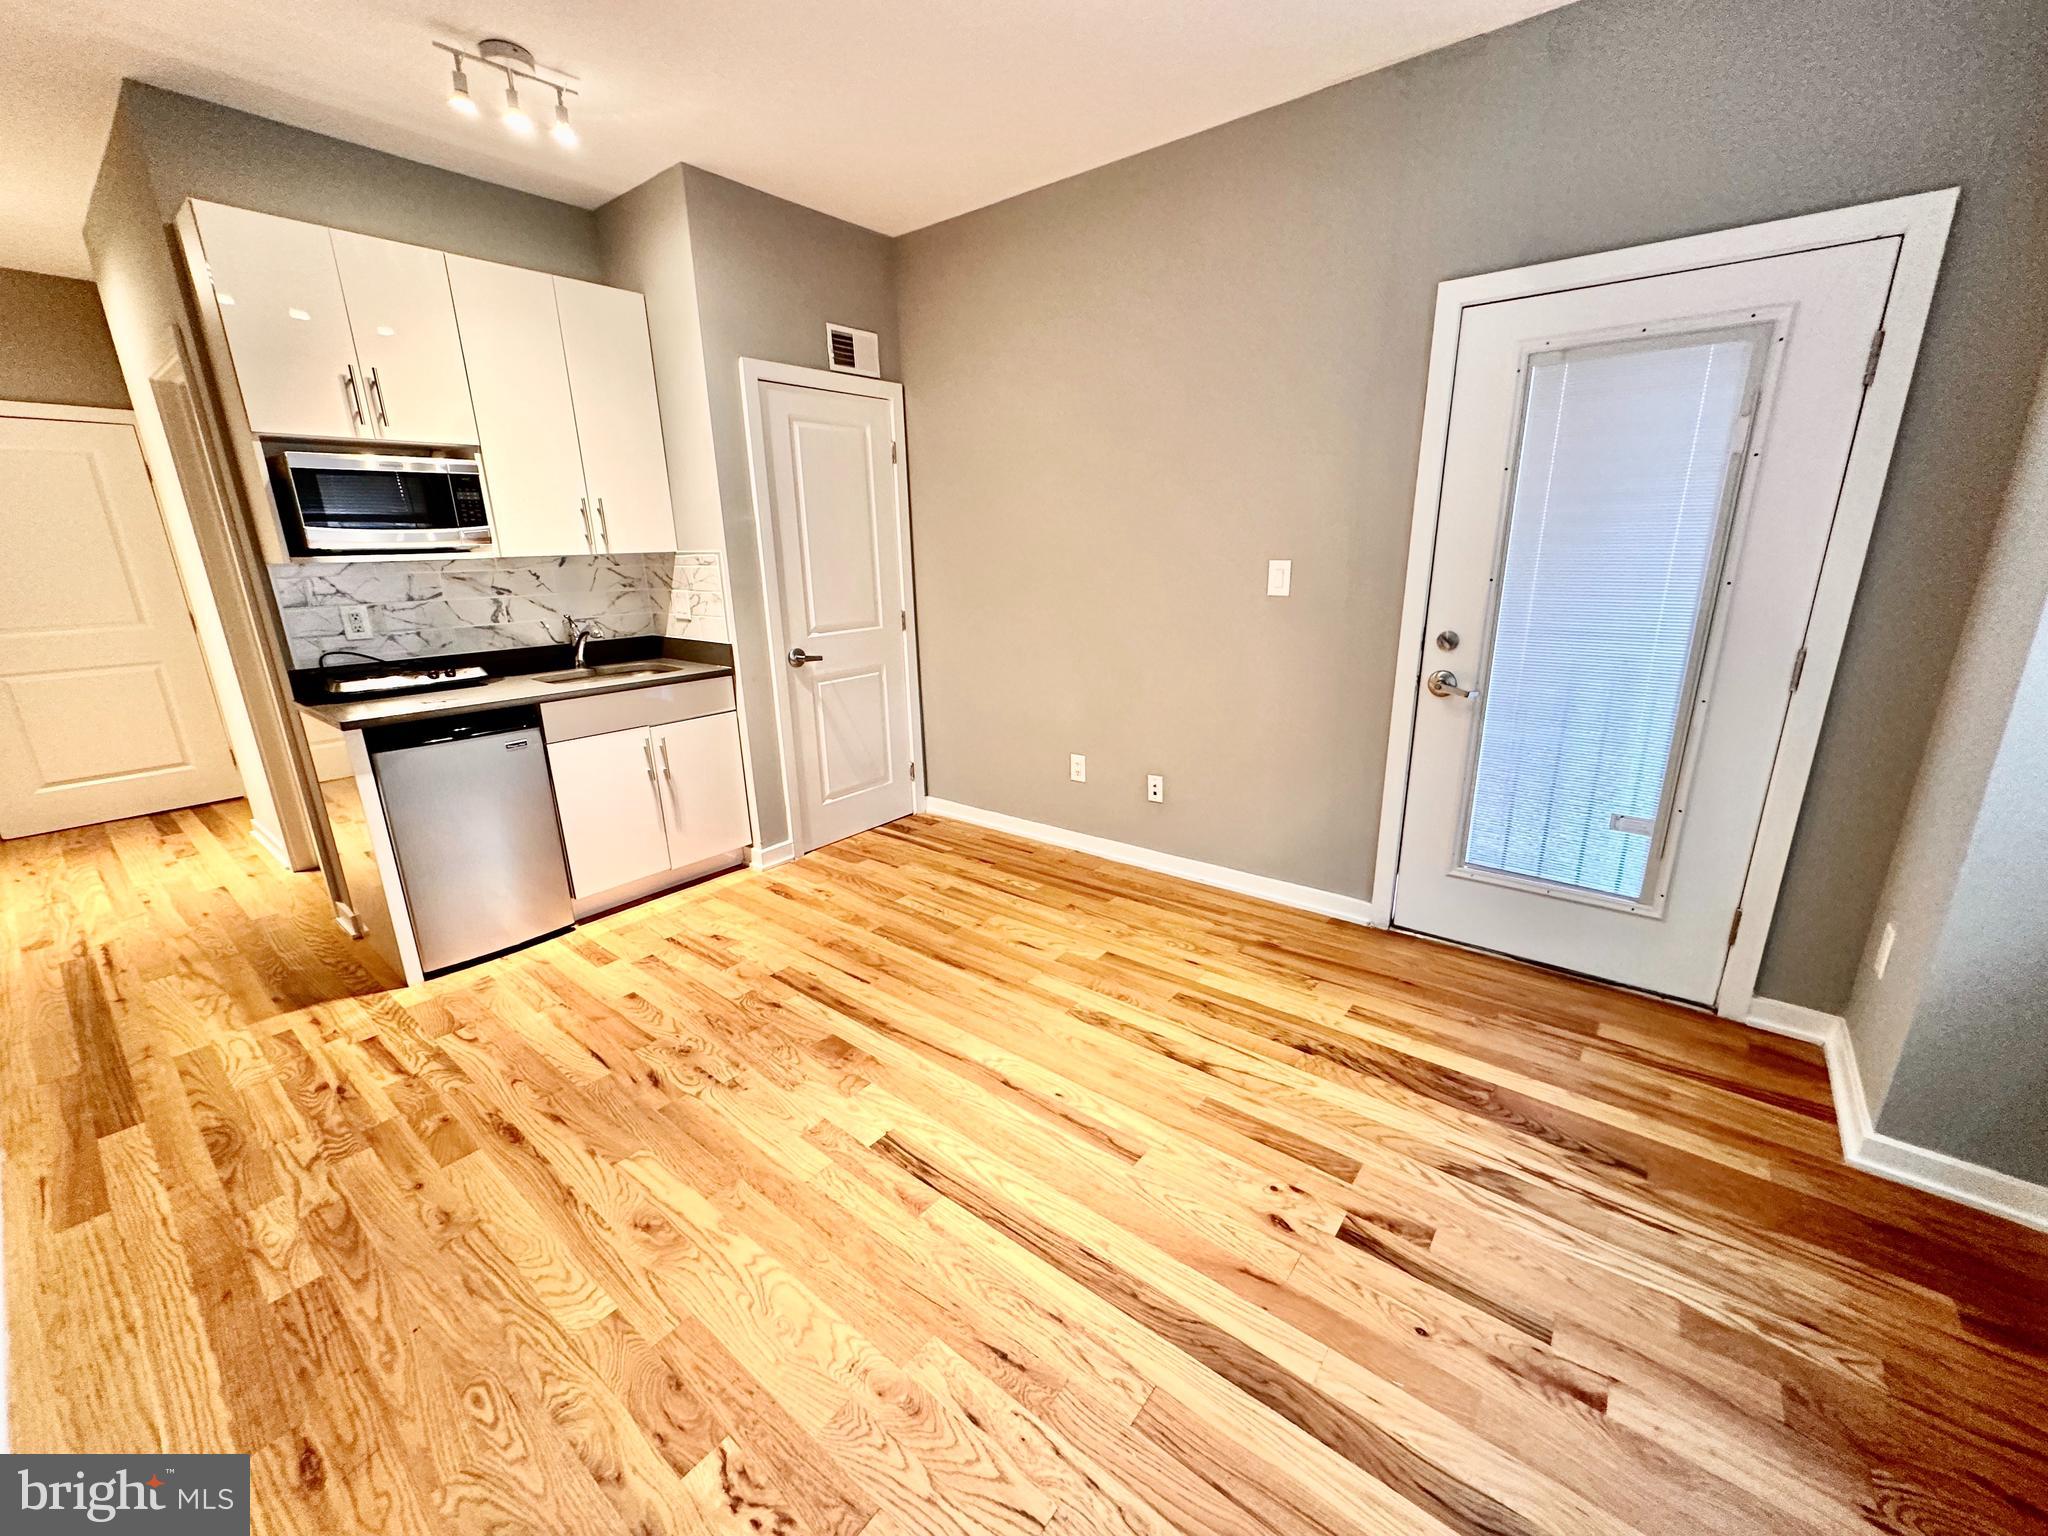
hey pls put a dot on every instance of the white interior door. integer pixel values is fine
(618, 419)
(526, 425)
(834, 520)
(403, 319)
(1638, 487)
(105, 708)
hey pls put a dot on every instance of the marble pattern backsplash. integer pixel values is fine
(424, 608)
(697, 605)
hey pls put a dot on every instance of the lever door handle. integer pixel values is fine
(1445, 685)
(798, 656)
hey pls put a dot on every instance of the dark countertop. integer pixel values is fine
(510, 688)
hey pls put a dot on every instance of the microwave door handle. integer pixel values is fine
(355, 403)
(377, 397)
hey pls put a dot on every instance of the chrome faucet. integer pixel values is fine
(579, 636)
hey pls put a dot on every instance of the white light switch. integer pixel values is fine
(1077, 768)
(355, 622)
(1279, 577)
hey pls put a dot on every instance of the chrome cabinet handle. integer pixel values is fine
(604, 525)
(668, 770)
(1445, 684)
(355, 401)
(798, 656)
(589, 538)
(377, 397)
(654, 781)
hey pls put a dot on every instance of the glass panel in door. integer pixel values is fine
(1622, 494)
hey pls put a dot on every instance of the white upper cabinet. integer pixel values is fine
(415, 389)
(525, 420)
(618, 419)
(281, 304)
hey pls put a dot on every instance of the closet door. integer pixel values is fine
(618, 418)
(281, 305)
(403, 319)
(525, 420)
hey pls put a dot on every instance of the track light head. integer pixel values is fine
(515, 117)
(458, 92)
(562, 132)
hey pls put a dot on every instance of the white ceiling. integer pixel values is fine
(891, 114)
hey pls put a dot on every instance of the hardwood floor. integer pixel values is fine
(945, 1182)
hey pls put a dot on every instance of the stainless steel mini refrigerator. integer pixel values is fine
(472, 817)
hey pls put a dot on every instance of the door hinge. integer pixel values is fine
(1798, 669)
(894, 451)
(903, 620)
(1734, 927)
(913, 773)
(1870, 363)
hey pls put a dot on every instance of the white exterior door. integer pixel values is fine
(281, 305)
(609, 803)
(832, 491)
(1638, 489)
(526, 424)
(618, 420)
(704, 789)
(403, 320)
(105, 708)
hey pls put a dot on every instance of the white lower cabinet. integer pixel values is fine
(610, 809)
(640, 803)
(704, 797)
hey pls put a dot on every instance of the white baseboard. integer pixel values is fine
(268, 840)
(1352, 909)
(1866, 1147)
(773, 854)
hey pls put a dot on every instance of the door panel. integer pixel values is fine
(403, 319)
(1639, 482)
(832, 484)
(610, 809)
(704, 789)
(105, 707)
(618, 420)
(526, 423)
(281, 304)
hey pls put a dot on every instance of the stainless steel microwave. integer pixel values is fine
(374, 503)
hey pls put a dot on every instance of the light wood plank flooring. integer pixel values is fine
(943, 1182)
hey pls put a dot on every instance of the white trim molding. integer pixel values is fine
(1867, 1148)
(1305, 898)
(36, 410)
(1921, 223)
(773, 854)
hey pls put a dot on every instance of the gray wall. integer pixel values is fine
(54, 346)
(1128, 390)
(198, 149)
(768, 275)
(1950, 1042)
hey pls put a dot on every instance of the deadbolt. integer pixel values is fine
(1447, 640)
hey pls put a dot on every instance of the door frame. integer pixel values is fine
(754, 372)
(1921, 221)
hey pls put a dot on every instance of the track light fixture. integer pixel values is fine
(516, 64)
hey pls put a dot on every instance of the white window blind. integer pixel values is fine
(1617, 524)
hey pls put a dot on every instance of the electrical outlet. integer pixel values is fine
(1279, 577)
(355, 622)
(1077, 768)
(1883, 957)
(1155, 788)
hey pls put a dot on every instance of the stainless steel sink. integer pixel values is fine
(648, 668)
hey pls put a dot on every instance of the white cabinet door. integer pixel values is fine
(609, 805)
(280, 302)
(704, 792)
(525, 421)
(403, 320)
(618, 419)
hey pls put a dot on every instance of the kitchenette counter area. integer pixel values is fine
(506, 797)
